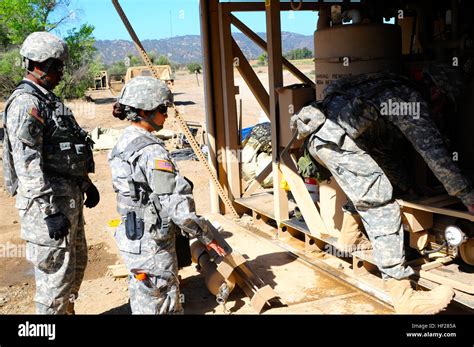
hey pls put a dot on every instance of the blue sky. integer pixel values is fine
(157, 19)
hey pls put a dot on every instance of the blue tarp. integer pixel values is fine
(245, 133)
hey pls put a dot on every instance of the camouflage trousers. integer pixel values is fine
(58, 265)
(159, 292)
(369, 189)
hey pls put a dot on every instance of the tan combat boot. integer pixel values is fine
(351, 237)
(408, 301)
(70, 309)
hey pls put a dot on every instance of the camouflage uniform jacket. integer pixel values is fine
(154, 171)
(27, 123)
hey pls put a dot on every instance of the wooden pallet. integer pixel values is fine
(364, 273)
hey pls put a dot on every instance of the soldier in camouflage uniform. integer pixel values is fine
(153, 199)
(351, 108)
(47, 158)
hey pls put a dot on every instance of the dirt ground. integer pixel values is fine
(301, 288)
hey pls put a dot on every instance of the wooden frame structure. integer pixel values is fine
(221, 56)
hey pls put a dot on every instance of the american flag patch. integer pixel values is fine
(35, 114)
(164, 165)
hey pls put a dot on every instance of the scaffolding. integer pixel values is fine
(222, 55)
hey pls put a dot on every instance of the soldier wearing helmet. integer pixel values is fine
(47, 159)
(154, 200)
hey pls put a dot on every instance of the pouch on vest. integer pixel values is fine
(134, 227)
(157, 221)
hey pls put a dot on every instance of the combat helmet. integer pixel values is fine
(145, 93)
(41, 46)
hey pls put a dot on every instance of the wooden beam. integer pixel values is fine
(230, 107)
(218, 96)
(263, 45)
(438, 210)
(275, 73)
(210, 100)
(285, 6)
(257, 182)
(306, 205)
(251, 78)
(452, 282)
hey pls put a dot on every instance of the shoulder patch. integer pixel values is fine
(33, 112)
(164, 165)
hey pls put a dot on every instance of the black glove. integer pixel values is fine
(58, 226)
(93, 196)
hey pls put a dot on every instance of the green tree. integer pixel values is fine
(117, 68)
(263, 59)
(11, 71)
(19, 18)
(299, 53)
(194, 67)
(162, 60)
(83, 64)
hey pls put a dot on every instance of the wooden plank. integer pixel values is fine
(443, 211)
(257, 182)
(230, 107)
(432, 199)
(436, 263)
(263, 45)
(214, 94)
(439, 278)
(446, 202)
(285, 6)
(303, 199)
(438, 200)
(301, 226)
(250, 77)
(275, 73)
(262, 203)
(210, 99)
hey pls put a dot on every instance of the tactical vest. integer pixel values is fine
(141, 200)
(67, 148)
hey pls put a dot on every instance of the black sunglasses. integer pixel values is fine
(163, 110)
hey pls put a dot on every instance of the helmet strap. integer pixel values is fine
(149, 120)
(42, 77)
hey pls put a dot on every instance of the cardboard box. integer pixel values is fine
(417, 220)
(292, 99)
(332, 198)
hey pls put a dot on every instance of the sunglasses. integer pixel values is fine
(163, 110)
